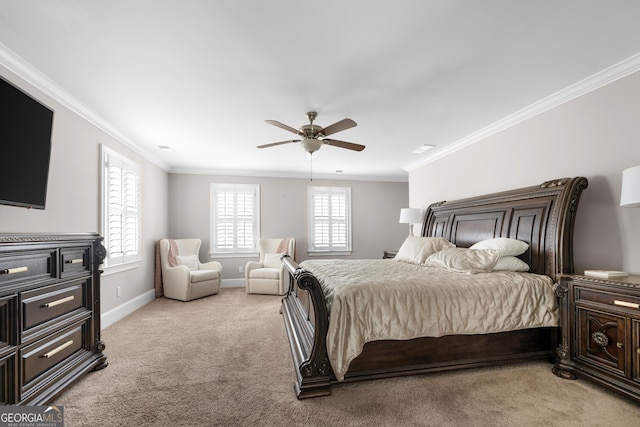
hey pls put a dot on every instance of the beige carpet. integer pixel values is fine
(224, 360)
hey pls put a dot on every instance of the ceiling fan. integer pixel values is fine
(314, 136)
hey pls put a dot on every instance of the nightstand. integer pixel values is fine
(600, 339)
(389, 254)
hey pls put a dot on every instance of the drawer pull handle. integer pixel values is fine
(14, 270)
(58, 302)
(57, 349)
(74, 261)
(619, 344)
(626, 304)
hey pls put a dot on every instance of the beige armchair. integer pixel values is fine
(269, 275)
(184, 277)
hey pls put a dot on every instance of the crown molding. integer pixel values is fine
(27, 72)
(289, 175)
(582, 87)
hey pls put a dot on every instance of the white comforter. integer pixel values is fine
(372, 300)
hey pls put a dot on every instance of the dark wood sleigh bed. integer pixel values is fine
(542, 215)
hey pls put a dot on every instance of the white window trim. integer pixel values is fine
(235, 252)
(313, 251)
(132, 260)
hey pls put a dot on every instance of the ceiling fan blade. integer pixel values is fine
(283, 126)
(278, 143)
(338, 126)
(343, 144)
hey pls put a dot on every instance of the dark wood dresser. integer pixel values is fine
(600, 321)
(49, 314)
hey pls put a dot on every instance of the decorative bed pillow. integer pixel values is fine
(272, 260)
(464, 260)
(416, 249)
(189, 261)
(506, 246)
(510, 263)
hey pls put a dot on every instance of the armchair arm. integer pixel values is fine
(211, 265)
(252, 265)
(177, 274)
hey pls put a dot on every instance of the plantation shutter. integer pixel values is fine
(121, 223)
(329, 219)
(234, 218)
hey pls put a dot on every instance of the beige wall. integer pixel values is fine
(596, 135)
(73, 196)
(376, 209)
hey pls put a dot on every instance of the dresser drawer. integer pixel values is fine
(6, 377)
(45, 354)
(74, 260)
(614, 299)
(8, 310)
(44, 304)
(29, 266)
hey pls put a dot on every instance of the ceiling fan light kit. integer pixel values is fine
(311, 145)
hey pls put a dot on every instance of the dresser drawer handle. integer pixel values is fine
(626, 304)
(14, 270)
(58, 302)
(57, 349)
(74, 261)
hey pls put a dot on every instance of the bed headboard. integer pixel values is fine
(542, 215)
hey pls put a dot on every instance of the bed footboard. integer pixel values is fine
(307, 336)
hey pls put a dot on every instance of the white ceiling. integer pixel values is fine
(201, 76)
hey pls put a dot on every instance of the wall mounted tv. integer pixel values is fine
(25, 141)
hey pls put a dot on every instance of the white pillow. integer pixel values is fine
(416, 249)
(464, 260)
(506, 247)
(510, 263)
(189, 261)
(272, 260)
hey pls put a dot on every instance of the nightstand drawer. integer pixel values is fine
(44, 304)
(584, 294)
(601, 340)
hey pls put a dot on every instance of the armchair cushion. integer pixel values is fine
(265, 273)
(189, 261)
(272, 260)
(203, 275)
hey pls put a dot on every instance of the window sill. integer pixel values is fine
(329, 253)
(235, 255)
(107, 271)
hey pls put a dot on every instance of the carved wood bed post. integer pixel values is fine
(306, 339)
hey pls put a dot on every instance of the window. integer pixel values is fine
(235, 219)
(330, 220)
(120, 208)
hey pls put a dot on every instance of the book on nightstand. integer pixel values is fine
(606, 274)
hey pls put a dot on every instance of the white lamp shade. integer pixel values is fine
(630, 194)
(410, 215)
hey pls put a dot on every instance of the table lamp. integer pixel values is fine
(630, 194)
(410, 216)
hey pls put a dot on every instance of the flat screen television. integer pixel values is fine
(25, 144)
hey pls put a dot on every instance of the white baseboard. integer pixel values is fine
(232, 283)
(112, 316)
